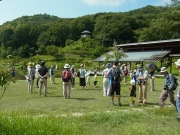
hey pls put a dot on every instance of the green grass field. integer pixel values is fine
(86, 113)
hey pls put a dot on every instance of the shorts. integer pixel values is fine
(133, 91)
(115, 87)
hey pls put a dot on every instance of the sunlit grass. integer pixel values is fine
(86, 113)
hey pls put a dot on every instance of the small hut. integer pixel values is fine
(86, 34)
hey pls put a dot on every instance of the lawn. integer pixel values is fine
(86, 113)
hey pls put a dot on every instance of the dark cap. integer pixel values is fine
(42, 63)
(140, 68)
(115, 63)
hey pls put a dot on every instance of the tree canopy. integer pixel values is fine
(43, 34)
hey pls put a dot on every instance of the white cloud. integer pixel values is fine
(106, 2)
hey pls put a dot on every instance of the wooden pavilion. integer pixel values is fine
(152, 51)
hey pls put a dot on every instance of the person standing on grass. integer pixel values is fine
(66, 79)
(51, 73)
(36, 75)
(106, 83)
(125, 73)
(74, 74)
(152, 77)
(43, 73)
(115, 78)
(133, 88)
(31, 75)
(87, 79)
(178, 92)
(95, 79)
(82, 80)
(168, 88)
(142, 81)
(13, 74)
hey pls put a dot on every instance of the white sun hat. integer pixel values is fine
(163, 69)
(66, 66)
(177, 62)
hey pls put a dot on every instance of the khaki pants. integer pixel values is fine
(164, 95)
(143, 92)
(30, 86)
(152, 83)
(45, 86)
(52, 79)
(67, 89)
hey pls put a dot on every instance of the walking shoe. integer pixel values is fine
(140, 101)
(144, 102)
(131, 105)
(119, 104)
(112, 103)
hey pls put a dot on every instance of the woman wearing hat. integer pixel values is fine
(31, 75)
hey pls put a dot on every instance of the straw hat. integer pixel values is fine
(31, 64)
(82, 65)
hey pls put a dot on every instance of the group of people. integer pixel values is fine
(40, 72)
(112, 75)
(111, 84)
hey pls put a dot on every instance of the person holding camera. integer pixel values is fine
(168, 88)
(142, 82)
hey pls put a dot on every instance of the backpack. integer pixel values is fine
(175, 83)
(116, 77)
(66, 75)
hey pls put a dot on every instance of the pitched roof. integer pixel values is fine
(138, 56)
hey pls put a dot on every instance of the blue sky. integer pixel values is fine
(12, 9)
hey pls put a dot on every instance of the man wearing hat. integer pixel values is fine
(43, 73)
(66, 79)
(178, 93)
(31, 75)
(142, 81)
(168, 88)
(106, 83)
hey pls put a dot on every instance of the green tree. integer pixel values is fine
(42, 50)
(52, 50)
(5, 78)
(3, 51)
(117, 53)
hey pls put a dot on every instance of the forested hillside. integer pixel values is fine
(44, 34)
